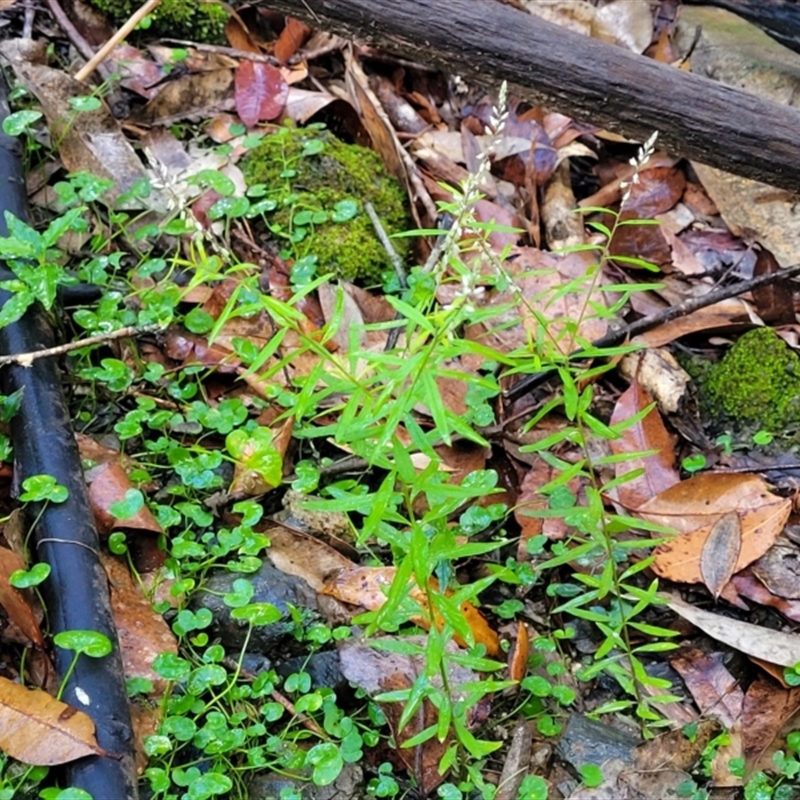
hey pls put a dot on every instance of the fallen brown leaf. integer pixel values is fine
(365, 586)
(776, 647)
(38, 729)
(694, 506)
(659, 472)
(17, 604)
(721, 552)
(716, 692)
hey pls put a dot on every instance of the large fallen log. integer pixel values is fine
(486, 42)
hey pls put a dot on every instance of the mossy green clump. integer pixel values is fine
(757, 383)
(318, 186)
(182, 19)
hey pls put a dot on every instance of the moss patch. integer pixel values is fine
(756, 383)
(182, 19)
(318, 185)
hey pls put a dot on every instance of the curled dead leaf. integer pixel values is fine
(720, 552)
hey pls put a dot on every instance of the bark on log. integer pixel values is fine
(486, 42)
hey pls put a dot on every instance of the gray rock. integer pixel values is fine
(324, 669)
(348, 786)
(586, 741)
(271, 586)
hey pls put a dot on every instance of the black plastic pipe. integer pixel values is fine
(76, 593)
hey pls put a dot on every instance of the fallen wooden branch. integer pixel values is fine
(487, 42)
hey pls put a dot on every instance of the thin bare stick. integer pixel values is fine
(615, 337)
(233, 52)
(27, 25)
(84, 72)
(436, 251)
(65, 23)
(26, 359)
(394, 257)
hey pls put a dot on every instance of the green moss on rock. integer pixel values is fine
(757, 383)
(309, 172)
(188, 19)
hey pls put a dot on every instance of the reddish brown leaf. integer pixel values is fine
(108, 485)
(663, 50)
(38, 729)
(292, 38)
(778, 569)
(747, 585)
(143, 634)
(17, 606)
(726, 314)
(767, 706)
(774, 303)
(648, 434)
(715, 690)
(260, 92)
(138, 73)
(383, 136)
(656, 191)
(375, 671)
(518, 657)
(239, 36)
(721, 552)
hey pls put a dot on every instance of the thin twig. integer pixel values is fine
(331, 46)
(65, 23)
(233, 52)
(27, 25)
(307, 722)
(26, 359)
(755, 468)
(436, 253)
(615, 337)
(85, 71)
(443, 241)
(394, 256)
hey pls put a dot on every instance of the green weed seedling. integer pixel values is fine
(40, 489)
(87, 643)
(220, 724)
(30, 578)
(33, 257)
(20, 122)
(694, 463)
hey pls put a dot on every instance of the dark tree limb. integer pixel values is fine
(486, 42)
(778, 18)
